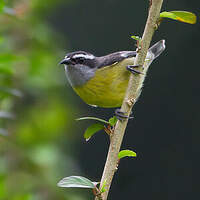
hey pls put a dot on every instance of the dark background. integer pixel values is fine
(165, 128)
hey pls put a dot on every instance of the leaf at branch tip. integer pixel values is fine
(113, 120)
(126, 153)
(76, 182)
(93, 118)
(137, 38)
(91, 130)
(182, 16)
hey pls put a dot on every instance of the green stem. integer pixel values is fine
(93, 118)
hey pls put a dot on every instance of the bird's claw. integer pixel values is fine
(121, 115)
(132, 69)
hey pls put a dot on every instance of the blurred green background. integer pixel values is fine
(40, 142)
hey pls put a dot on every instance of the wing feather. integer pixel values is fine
(114, 58)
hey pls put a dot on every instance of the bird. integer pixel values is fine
(102, 81)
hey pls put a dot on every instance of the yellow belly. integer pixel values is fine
(107, 88)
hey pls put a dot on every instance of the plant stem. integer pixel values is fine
(132, 93)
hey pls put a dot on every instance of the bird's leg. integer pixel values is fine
(121, 115)
(131, 68)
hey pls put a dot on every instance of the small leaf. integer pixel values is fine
(126, 153)
(182, 16)
(103, 188)
(76, 182)
(93, 118)
(91, 130)
(113, 121)
(137, 38)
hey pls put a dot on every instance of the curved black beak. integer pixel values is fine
(65, 61)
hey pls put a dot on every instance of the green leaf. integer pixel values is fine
(103, 188)
(113, 120)
(182, 16)
(7, 57)
(93, 118)
(91, 130)
(6, 69)
(137, 38)
(76, 182)
(126, 153)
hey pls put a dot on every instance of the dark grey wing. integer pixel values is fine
(114, 58)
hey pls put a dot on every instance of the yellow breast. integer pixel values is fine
(107, 88)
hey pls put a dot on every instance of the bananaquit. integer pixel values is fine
(102, 81)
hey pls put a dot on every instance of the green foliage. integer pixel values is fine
(91, 130)
(137, 38)
(10, 91)
(7, 58)
(35, 112)
(103, 188)
(182, 16)
(2, 4)
(76, 181)
(113, 120)
(126, 153)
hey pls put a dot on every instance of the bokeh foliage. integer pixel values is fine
(34, 116)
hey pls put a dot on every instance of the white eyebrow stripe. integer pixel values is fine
(83, 56)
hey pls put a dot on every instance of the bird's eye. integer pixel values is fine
(81, 60)
(73, 60)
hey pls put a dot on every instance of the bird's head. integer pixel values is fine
(80, 66)
(79, 59)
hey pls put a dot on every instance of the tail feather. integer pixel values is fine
(157, 48)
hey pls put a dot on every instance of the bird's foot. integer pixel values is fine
(121, 115)
(131, 68)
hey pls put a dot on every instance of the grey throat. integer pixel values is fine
(79, 74)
